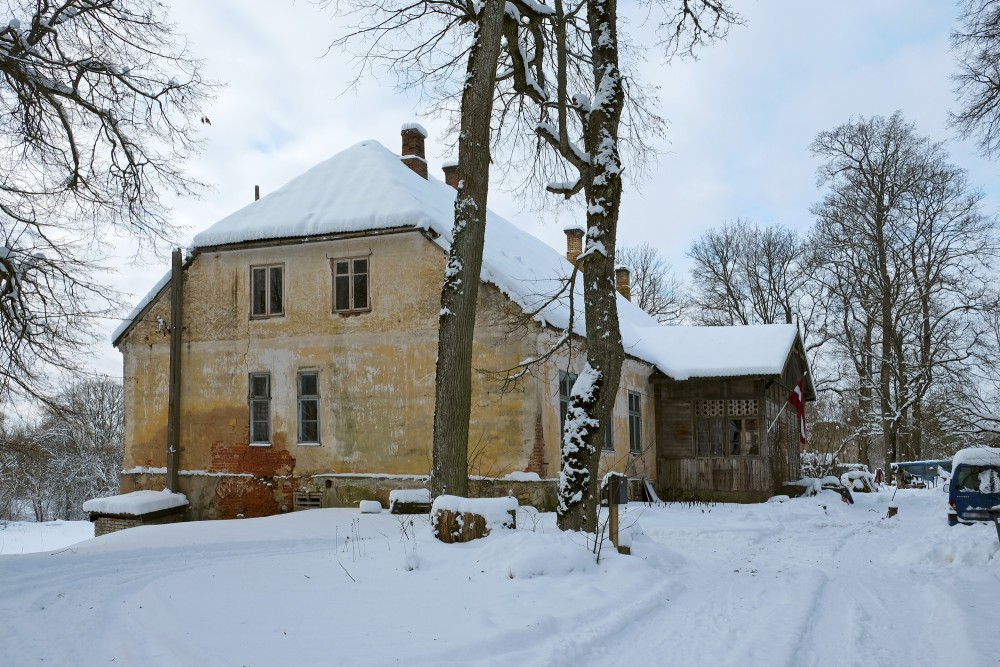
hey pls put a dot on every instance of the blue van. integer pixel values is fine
(975, 485)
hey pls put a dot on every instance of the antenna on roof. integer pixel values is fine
(256, 192)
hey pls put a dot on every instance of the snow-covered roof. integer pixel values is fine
(976, 456)
(367, 187)
(683, 352)
(137, 502)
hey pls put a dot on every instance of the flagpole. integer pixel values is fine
(785, 404)
(777, 417)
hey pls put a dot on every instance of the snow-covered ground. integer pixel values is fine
(22, 537)
(805, 582)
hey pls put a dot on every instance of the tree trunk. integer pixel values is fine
(453, 382)
(592, 406)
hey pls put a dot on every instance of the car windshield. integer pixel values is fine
(981, 479)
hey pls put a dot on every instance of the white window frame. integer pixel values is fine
(269, 310)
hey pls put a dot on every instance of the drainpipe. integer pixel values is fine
(174, 392)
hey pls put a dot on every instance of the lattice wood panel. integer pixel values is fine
(714, 408)
(744, 407)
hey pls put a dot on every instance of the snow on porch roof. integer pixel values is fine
(367, 187)
(683, 352)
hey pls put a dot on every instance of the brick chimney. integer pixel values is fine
(623, 281)
(413, 135)
(574, 243)
(450, 169)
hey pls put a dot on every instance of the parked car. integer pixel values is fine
(974, 488)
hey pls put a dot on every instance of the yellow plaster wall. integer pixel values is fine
(376, 369)
(634, 377)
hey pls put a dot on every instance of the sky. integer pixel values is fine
(741, 116)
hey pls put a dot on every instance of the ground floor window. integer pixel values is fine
(634, 422)
(308, 391)
(260, 408)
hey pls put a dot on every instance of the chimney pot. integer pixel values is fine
(574, 243)
(413, 135)
(450, 170)
(623, 281)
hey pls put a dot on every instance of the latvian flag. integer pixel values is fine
(798, 400)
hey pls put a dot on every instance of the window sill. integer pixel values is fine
(256, 318)
(309, 444)
(348, 313)
(260, 444)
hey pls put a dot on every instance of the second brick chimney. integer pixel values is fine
(413, 135)
(574, 243)
(450, 170)
(623, 281)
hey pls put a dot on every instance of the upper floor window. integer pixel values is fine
(260, 408)
(634, 422)
(350, 285)
(267, 291)
(309, 407)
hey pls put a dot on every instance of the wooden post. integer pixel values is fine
(613, 522)
(174, 390)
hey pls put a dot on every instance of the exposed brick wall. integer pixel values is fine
(110, 524)
(257, 461)
(537, 462)
(250, 497)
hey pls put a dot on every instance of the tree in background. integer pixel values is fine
(99, 103)
(71, 454)
(745, 274)
(654, 287)
(976, 43)
(905, 249)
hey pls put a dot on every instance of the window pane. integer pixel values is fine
(258, 386)
(308, 420)
(259, 296)
(277, 307)
(308, 384)
(715, 437)
(260, 421)
(360, 266)
(342, 268)
(609, 440)
(342, 293)
(635, 433)
(361, 292)
(735, 437)
(309, 431)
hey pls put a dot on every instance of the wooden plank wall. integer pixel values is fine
(681, 475)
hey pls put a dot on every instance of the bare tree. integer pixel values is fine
(460, 288)
(976, 43)
(906, 250)
(71, 454)
(599, 176)
(560, 72)
(654, 286)
(99, 101)
(745, 274)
